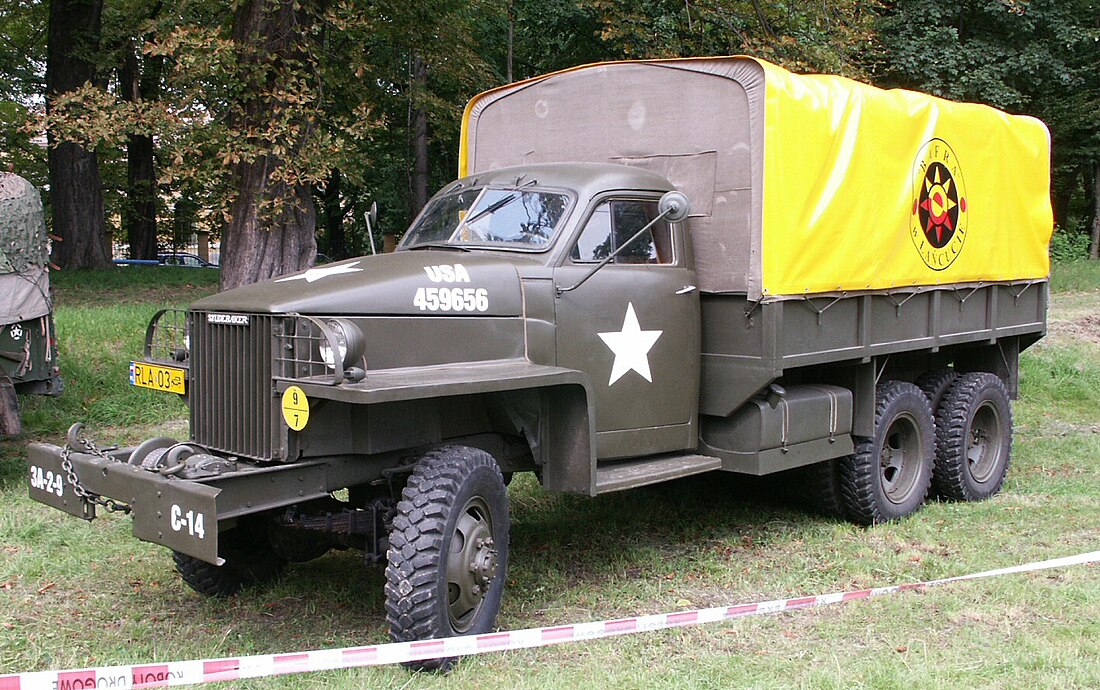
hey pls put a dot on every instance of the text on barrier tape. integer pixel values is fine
(263, 665)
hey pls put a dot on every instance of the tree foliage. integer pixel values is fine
(360, 100)
(1037, 57)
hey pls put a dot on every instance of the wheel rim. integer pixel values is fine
(900, 458)
(983, 443)
(472, 564)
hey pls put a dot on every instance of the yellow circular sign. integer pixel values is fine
(295, 408)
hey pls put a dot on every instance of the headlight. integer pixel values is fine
(349, 344)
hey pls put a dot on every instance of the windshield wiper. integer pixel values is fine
(437, 245)
(499, 203)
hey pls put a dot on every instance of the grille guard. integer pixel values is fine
(166, 338)
(298, 341)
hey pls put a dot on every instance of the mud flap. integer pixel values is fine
(179, 514)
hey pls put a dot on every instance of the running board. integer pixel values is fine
(628, 474)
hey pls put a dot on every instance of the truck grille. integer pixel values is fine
(232, 400)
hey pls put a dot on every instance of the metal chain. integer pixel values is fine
(76, 433)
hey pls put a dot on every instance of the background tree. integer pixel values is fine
(272, 122)
(76, 194)
(139, 80)
(23, 28)
(1037, 58)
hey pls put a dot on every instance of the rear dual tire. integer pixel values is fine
(973, 438)
(888, 475)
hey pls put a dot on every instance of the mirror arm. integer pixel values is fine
(612, 255)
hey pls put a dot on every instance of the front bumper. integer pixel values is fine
(182, 514)
(179, 514)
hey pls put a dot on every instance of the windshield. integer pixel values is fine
(521, 218)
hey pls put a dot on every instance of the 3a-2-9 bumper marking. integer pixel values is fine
(181, 515)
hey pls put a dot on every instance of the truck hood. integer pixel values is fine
(400, 284)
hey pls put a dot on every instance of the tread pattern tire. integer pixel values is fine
(820, 488)
(445, 482)
(935, 383)
(903, 426)
(973, 438)
(248, 561)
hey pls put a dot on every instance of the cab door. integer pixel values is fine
(633, 327)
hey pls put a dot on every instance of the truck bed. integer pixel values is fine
(747, 345)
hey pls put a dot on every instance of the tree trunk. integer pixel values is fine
(260, 243)
(420, 137)
(272, 222)
(1094, 244)
(511, 39)
(334, 217)
(10, 423)
(139, 217)
(76, 193)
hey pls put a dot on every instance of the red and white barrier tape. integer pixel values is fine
(262, 665)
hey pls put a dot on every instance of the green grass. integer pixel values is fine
(77, 594)
(1075, 276)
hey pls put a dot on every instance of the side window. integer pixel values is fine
(613, 223)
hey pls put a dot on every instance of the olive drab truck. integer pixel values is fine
(646, 270)
(28, 344)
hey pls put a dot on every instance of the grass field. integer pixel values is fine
(75, 594)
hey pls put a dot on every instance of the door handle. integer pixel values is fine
(685, 290)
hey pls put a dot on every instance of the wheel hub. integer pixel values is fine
(484, 564)
(472, 564)
(899, 458)
(983, 447)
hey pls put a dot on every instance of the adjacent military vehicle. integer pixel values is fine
(848, 290)
(28, 346)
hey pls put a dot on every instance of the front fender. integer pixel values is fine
(565, 421)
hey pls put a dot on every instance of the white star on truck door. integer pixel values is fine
(631, 346)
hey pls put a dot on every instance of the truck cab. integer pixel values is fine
(623, 310)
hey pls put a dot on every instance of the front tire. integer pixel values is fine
(974, 438)
(820, 486)
(888, 475)
(249, 560)
(448, 552)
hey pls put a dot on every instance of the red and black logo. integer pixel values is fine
(938, 226)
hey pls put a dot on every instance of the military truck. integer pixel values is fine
(646, 270)
(28, 343)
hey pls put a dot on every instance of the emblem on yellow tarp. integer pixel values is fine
(938, 224)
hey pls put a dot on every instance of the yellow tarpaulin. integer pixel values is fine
(871, 189)
(799, 184)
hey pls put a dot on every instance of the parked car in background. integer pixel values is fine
(184, 260)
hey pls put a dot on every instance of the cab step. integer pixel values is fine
(627, 474)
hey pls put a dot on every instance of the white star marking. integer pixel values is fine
(317, 273)
(631, 346)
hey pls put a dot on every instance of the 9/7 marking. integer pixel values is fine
(295, 408)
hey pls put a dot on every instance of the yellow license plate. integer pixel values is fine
(169, 379)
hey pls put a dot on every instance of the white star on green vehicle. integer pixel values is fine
(315, 274)
(631, 346)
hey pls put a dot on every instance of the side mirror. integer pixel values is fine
(674, 206)
(371, 217)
